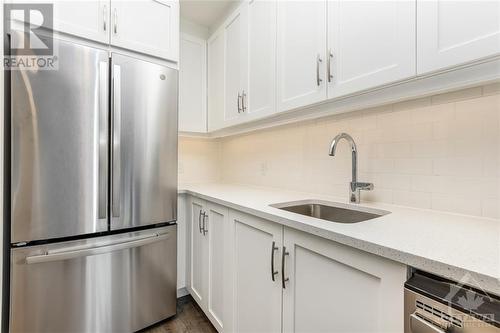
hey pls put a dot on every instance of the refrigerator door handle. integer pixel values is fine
(103, 141)
(116, 167)
(85, 251)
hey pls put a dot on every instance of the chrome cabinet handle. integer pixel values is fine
(116, 158)
(330, 57)
(104, 15)
(116, 22)
(199, 222)
(283, 278)
(318, 79)
(205, 230)
(239, 98)
(103, 141)
(273, 272)
(243, 95)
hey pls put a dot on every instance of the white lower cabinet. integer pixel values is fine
(198, 256)
(208, 259)
(255, 247)
(253, 275)
(335, 288)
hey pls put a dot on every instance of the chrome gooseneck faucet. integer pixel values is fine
(355, 186)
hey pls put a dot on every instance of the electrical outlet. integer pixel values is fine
(263, 168)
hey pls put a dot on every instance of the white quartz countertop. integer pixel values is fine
(458, 247)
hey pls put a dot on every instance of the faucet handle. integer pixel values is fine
(363, 186)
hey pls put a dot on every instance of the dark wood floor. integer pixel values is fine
(189, 319)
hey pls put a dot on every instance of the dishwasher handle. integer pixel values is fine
(420, 325)
(84, 251)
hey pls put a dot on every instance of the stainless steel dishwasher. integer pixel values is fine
(435, 305)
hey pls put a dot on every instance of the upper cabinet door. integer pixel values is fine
(192, 85)
(301, 53)
(450, 33)
(261, 58)
(216, 81)
(235, 31)
(148, 26)
(371, 43)
(85, 19)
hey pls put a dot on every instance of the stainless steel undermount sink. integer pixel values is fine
(331, 211)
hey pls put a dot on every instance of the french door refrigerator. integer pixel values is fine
(93, 193)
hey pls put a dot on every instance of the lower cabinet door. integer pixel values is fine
(198, 254)
(335, 288)
(256, 299)
(214, 225)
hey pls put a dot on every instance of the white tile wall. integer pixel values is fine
(440, 152)
(199, 161)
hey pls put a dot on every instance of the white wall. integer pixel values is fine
(440, 152)
(199, 161)
(193, 29)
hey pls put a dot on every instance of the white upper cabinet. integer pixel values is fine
(261, 93)
(147, 26)
(192, 85)
(370, 43)
(235, 32)
(301, 53)
(277, 56)
(86, 19)
(216, 81)
(455, 32)
(150, 27)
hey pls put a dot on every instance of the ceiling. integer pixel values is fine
(205, 12)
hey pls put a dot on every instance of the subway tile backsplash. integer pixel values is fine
(440, 152)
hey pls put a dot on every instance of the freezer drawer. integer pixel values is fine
(118, 283)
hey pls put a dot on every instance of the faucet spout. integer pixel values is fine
(337, 138)
(354, 152)
(355, 186)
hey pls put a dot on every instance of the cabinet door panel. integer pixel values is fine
(192, 85)
(301, 41)
(371, 43)
(150, 27)
(235, 65)
(215, 225)
(256, 298)
(444, 38)
(199, 255)
(335, 288)
(261, 58)
(216, 81)
(86, 19)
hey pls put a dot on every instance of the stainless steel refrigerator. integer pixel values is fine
(93, 193)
